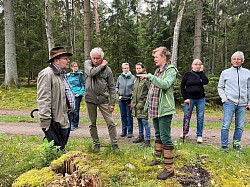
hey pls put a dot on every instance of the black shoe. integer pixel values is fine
(145, 144)
(116, 148)
(154, 163)
(139, 139)
(96, 148)
(130, 135)
(123, 134)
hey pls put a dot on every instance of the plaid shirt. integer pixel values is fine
(69, 94)
(154, 94)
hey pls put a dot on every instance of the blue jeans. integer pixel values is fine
(77, 110)
(162, 126)
(126, 116)
(229, 109)
(200, 109)
(143, 122)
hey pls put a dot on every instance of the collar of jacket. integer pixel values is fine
(56, 70)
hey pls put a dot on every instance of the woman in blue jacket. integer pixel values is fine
(77, 84)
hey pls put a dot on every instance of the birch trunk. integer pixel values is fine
(10, 46)
(176, 34)
(97, 27)
(48, 25)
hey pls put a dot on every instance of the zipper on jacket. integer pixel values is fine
(238, 85)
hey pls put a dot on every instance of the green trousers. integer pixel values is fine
(107, 115)
(162, 126)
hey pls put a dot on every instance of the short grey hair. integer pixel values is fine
(98, 50)
(125, 64)
(196, 61)
(240, 54)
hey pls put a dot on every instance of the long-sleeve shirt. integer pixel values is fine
(192, 85)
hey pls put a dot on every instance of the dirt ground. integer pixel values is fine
(210, 136)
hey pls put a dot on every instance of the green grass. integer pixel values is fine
(19, 154)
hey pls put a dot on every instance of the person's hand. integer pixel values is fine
(202, 68)
(111, 108)
(187, 101)
(142, 76)
(104, 63)
(130, 107)
(77, 95)
(46, 128)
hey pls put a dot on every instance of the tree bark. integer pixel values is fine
(48, 24)
(86, 29)
(198, 27)
(176, 34)
(97, 27)
(10, 46)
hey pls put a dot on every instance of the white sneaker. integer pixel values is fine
(181, 136)
(199, 139)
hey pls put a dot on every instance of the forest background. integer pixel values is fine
(128, 31)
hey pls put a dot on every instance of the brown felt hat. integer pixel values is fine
(57, 51)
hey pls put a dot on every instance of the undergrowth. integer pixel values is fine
(19, 154)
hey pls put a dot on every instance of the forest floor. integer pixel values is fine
(210, 136)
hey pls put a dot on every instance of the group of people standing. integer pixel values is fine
(139, 96)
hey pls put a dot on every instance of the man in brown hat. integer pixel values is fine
(55, 98)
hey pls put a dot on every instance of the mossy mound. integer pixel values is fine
(71, 169)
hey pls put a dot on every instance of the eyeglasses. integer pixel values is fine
(65, 58)
(75, 66)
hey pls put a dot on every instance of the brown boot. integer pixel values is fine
(158, 153)
(168, 153)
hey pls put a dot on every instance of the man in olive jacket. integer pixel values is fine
(100, 92)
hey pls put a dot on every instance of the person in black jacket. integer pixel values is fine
(192, 91)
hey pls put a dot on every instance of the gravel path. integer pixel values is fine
(210, 136)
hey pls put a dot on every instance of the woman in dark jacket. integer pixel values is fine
(139, 97)
(193, 93)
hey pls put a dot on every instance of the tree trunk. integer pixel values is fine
(86, 29)
(176, 34)
(10, 46)
(97, 28)
(48, 24)
(214, 47)
(198, 27)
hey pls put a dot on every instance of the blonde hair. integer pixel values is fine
(164, 52)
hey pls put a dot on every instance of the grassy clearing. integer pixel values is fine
(19, 154)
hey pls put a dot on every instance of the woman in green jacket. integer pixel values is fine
(139, 97)
(161, 107)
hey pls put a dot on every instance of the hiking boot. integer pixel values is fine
(238, 148)
(139, 139)
(96, 148)
(145, 144)
(123, 134)
(224, 149)
(130, 135)
(116, 148)
(199, 139)
(165, 175)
